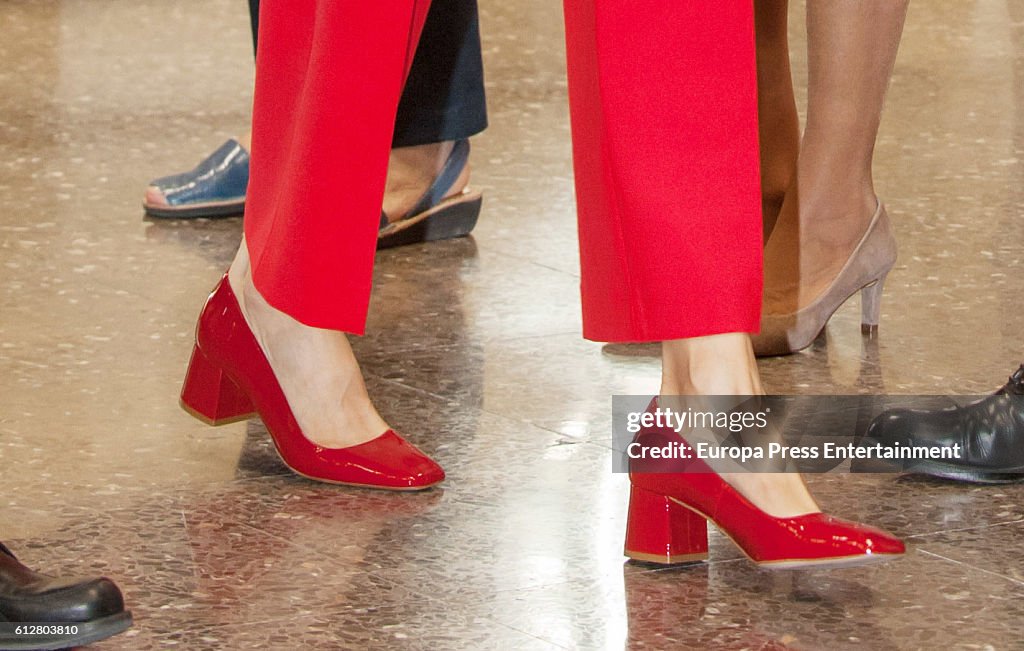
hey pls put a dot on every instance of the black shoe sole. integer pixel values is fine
(969, 475)
(457, 220)
(88, 632)
(209, 211)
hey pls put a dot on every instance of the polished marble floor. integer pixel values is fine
(474, 352)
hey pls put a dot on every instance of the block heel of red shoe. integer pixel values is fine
(660, 530)
(210, 395)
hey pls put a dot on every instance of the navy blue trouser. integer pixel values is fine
(444, 94)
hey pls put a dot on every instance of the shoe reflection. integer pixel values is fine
(728, 606)
(256, 554)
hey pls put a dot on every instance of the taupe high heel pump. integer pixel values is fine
(864, 271)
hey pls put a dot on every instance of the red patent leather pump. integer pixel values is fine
(230, 379)
(671, 501)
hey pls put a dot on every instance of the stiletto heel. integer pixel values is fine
(210, 395)
(659, 530)
(871, 306)
(229, 376)
(864, 271)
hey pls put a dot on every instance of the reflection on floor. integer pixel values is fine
(474, 352)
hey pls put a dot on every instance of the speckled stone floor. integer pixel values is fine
(474, 352)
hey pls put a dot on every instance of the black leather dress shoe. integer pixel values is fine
(74, 611)
(989, 433)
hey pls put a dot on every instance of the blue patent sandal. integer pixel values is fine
(214, 188)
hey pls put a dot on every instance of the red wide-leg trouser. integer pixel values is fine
(664, 111)
(329, 74)
(663, 99)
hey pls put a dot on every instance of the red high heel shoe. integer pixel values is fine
(230, 379)
(671, 501)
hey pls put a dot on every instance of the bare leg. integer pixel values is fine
(778, 122)
(411, 170)
(725, 365)
(331, 406)
(852, 45)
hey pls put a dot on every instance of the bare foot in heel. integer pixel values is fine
(315, 368)
(411, 172)
(724, 365)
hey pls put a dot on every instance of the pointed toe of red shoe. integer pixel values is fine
(823, 540)
(852, 539)
(880, 542)
(388, 461)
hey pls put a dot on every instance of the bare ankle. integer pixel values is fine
(713, 365)
(239, 274)
(411, 171)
